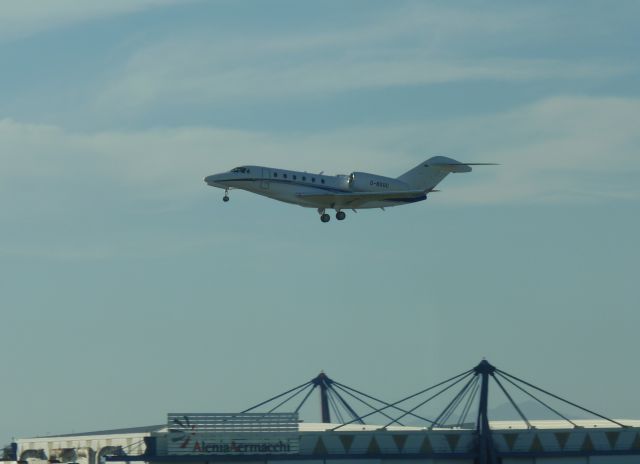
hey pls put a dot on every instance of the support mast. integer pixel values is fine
(321, 381)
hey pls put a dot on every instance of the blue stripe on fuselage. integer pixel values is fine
(408, 200)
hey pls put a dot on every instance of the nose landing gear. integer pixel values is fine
(225, 198)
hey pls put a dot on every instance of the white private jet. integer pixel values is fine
(357, 190)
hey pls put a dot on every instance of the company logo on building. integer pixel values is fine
(183, 432)
(235, 433)
(236, 447)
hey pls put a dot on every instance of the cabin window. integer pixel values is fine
(304, 178)
(322, 180)
(294, 177)
(313, 179)
(284, 175)
(275, 174)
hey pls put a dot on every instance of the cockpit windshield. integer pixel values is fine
(241, 169)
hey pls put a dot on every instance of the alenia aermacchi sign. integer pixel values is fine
(210, 443)
(233, 433)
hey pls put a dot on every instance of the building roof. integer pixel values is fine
(310, 427)
(123, 431)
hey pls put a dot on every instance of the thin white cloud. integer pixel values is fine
(185, 77)
(408, 45)
(23, 18)
(557, 149)
(561, 149)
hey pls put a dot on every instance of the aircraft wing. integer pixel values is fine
(357, 199)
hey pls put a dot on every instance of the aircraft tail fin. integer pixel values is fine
(432, 171)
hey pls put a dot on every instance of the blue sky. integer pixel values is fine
(130, 290)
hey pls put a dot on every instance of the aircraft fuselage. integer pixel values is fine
(299, 188)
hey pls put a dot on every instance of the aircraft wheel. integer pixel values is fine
(340, 215)
(225, 198)
(325, 217)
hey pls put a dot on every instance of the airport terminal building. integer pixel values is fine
(549, 442)
(281, 437)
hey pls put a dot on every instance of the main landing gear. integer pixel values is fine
(225, 198)
(324, 217)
